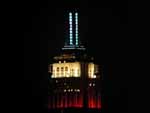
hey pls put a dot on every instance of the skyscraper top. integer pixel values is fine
(73, 37)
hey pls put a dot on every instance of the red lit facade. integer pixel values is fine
(75, 92)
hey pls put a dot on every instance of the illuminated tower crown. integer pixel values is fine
(73, 37)
(73, 75)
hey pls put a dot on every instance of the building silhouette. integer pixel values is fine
(74, 77)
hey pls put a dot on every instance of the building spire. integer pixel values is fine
(73, 32)
(70, 29)
(76, 28)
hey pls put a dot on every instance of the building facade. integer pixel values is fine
(74, 77)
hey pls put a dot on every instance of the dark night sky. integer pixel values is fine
(104, 30)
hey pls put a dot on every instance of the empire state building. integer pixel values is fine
(74, 77)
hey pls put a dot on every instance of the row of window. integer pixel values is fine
(64, 72)
(71, 90)
(90, 84)
(62, 69)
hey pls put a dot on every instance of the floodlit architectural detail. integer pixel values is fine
(74, 78)
(73, 69)
(61, 70)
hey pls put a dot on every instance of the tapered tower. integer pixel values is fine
(74, 77)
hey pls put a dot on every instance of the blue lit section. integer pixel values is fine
(70, 29)
(76, 28)
(73, 33)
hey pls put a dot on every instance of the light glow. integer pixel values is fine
(93, 84)
(78, 90)
(90, 84)
(73, 69)
(94, 76)
(70, 29)
(75, 100)
(76, 28)
(66, 70)
(92, 69)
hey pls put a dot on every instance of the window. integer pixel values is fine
(57, 69)
(72, 72)
(66, 68)
(62, 70)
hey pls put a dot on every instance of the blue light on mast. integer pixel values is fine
(76, 28)
(70, 29)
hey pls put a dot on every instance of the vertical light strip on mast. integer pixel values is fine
(76, 28)
(70, 29)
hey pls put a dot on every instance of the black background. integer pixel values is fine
(104, 30)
